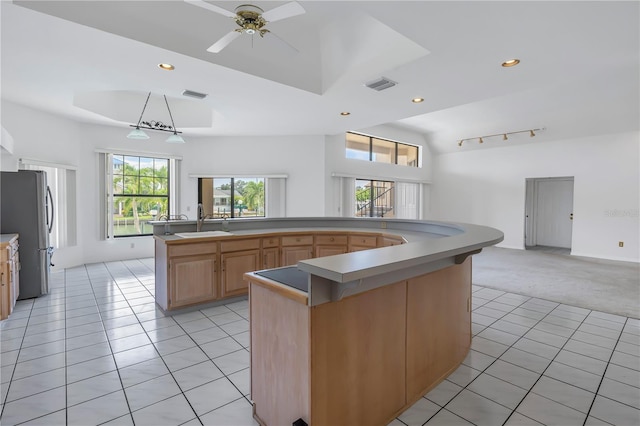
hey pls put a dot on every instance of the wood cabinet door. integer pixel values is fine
(5, 292)
(234, 266)
(270, 258)
(322, 251)
(193, 280)
(292, 255)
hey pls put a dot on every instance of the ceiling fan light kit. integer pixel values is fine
(251, 20)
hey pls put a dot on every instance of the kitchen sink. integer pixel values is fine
(203, 234)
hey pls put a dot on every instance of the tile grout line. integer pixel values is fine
(203, 351)
(547, 367)
(605, 372)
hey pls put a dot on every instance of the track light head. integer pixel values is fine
(504, 137)
(480, 140)
(460, 143)
(531, 134)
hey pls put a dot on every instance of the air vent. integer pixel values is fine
(380, 84)
(193, 94)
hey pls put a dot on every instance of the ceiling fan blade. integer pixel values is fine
(280, 43)
(285, 11)
(211, 7)
(223, 42)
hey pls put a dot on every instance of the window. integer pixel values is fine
(232, 196)
(374, 198)
(378, 150)
(139, 192)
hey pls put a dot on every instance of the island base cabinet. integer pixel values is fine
(358, 354)
(234, 266)
(361, 360)
(442, 301)
(193, 279)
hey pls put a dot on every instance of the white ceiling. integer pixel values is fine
(579, 73)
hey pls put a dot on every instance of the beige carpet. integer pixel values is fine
(602, 285)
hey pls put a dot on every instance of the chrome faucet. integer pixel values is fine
(199, 217)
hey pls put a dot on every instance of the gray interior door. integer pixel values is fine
(553, 212)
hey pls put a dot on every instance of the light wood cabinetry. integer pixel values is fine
(9, 274)
(296, 248)
(359, 242)
(270, 253)
(388, 241)
(193, 280)
(238, 257)
(186, 274)
(194, 271)
(360, 360)
(329, 245)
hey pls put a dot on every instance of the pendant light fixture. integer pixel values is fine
(138, 133)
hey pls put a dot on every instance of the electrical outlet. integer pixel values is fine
(133, 245)
(383, 225)
(620, 243)
(188, 208)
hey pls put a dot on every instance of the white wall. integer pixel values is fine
(487, 187)
(300, 157)
(41, 136)
(336, 162)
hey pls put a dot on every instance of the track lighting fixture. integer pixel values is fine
(505, 136)
(138, 133)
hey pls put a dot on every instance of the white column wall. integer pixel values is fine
(487, 187)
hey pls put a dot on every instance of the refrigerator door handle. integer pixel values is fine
(49, 221)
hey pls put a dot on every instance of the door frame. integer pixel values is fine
(531, 207)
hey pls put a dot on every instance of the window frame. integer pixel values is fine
(395, 149)
(110, 194)
(232, 194)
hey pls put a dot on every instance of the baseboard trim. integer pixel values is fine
(594, 256)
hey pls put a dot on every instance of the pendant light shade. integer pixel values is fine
(137, 134)
(175, 138)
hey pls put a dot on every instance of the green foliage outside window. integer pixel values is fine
(140, 193)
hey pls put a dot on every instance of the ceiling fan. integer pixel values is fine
(251, 20)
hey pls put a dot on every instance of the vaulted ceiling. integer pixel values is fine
(95, 61)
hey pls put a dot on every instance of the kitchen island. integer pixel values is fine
(351, 320)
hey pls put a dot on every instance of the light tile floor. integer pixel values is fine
(96, 350)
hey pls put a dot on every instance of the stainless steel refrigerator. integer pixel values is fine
(26, 208)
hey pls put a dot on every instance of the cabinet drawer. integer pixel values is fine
(238, 245)
(363, 240)
(299, 240)
(332, 240)
(270, 242)
(191, 249)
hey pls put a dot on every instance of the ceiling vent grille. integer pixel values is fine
(381, 83)
(193, 94)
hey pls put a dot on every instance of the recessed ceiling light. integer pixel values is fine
(166, 67)
(511, 63)
(417, 100)
(345, 113)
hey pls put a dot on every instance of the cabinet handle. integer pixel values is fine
(332, 239)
